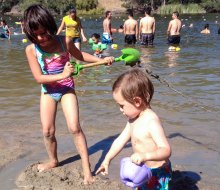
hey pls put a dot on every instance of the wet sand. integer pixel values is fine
(20, 153)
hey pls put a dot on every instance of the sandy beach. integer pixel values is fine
(21, 154)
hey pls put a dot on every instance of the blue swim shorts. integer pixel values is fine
(160, 179)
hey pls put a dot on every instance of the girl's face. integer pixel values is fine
(131, 111)
(43, 38)
(73, 14)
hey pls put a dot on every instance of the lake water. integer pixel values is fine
(190, 107)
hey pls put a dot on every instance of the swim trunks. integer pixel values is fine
(147, 39)
(160, 179)
(174, 39)
(130, 39)
(76, 40)
(2, 35)
(106, 38)
(53, 63)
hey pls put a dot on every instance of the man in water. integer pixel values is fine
(107, 33)
(173, 30)
(206, 29)
(147, 28)
(130, 28)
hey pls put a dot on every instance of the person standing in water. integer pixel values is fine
(147, 28)
(7, 32)
(174, 28)
(130, 28)
(107, 29)
(73, 28)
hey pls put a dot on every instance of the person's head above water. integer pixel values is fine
(206, 26)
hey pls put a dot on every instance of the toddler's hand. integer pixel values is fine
(110, 60)
(137, 158)
(68, 70)
(103, 169)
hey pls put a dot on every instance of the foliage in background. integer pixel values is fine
(211, 5)
(91, 6)
(6, 5)
(182, 9)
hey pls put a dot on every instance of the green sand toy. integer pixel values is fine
(130, 56)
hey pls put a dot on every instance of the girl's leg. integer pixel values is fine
(48, 108)
(78, 45)
(71, 111)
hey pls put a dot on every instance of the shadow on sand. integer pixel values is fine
(184, 180)
(181, 180)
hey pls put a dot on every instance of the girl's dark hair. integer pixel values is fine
(134, 83)
(4, 22)
(36, 16)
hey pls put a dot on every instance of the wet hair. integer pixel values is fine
(121, 26)
(176, 13)
(36, 16)
(134, 83)
(107, 13)
(130, 12)
(206, 26)
(95, 35)
(4, 22)
(147, 10)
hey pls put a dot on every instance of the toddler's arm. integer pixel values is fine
(116, 147)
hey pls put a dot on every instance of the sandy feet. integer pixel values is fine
(46, 166)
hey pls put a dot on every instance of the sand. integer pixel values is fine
(21, 153)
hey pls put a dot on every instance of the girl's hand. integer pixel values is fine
(68, 70)
(103, 169)
(84, 39)
(110, 60)
(137, 158)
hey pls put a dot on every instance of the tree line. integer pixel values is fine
(62, 6)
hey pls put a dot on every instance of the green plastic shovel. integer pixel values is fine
(130, 56)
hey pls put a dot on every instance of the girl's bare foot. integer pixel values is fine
(46, 166)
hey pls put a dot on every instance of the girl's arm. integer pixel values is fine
(116, 147)
(82, 32)
(61, 27)
(36, 70)
(83, 56)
